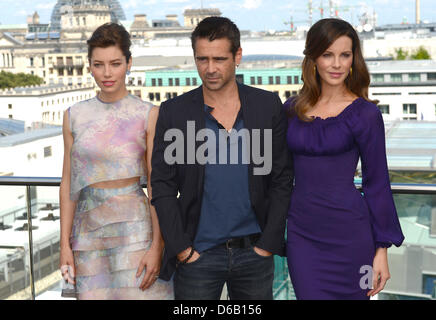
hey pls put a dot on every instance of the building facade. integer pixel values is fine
(44, 104)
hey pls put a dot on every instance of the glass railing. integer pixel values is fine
(29, 243)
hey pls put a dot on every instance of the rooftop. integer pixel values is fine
(43, 89)
(204, 11)
(411, 145)
(401, 66)
(29, 136)
(10, 126)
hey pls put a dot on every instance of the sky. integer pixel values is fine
(255, 15)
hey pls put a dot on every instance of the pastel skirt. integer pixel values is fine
(111, 232)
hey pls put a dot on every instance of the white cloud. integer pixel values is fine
(251, 4)
(133, 4)
(48, 5)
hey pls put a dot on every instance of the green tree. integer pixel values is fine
(420, 54)
(401, 54)
(12, 80)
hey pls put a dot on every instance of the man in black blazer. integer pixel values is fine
(221, 176)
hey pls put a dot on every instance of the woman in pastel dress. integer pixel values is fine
(336, 236)
(110, 237)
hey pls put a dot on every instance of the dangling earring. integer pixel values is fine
(351, 71)
(314, 70)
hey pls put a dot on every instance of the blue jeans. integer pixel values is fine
(248, 275)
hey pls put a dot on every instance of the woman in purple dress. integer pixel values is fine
(336, 237)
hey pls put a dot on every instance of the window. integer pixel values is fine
(153, 82)
(159, 81)
(138, 93)
(409, 108)
(252, 80)
(174, 94)
(157, 96)
(296, 80)
(287, 94)
(289, 80)
(240, 78)
(431, 76)
(151, 96)
(47, 152)
(277, 80)
(31, 62)
(170, 82)
(61, 71)
(9, 106)
(188, 81)
(384, 108)
(139, 82)
(414, 77)
(80, 71)
(10, 116)
(194, 81)
(378, 77)
(259, 80)
(271, 80)
(167, 95)
(396, 77)
(177, 82)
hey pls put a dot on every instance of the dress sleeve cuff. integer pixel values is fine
(383, 245)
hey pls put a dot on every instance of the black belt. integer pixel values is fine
(242, 242)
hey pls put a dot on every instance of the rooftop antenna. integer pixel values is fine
(321, 9)
(310, 8)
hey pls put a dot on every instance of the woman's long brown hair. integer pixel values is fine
(319, 38)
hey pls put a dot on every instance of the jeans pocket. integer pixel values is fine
(194, 262)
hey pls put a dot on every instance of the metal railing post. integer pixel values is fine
(29, 232)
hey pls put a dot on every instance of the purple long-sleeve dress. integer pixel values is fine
(333, 231)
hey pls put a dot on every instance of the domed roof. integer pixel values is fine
(117, 12)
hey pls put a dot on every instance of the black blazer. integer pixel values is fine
(269, 194)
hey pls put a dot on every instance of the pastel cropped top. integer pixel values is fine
(109, 141)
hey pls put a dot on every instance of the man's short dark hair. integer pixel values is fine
(217, 28)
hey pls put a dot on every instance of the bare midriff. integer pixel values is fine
(114, 184)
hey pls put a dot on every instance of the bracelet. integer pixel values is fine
(189, 256)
